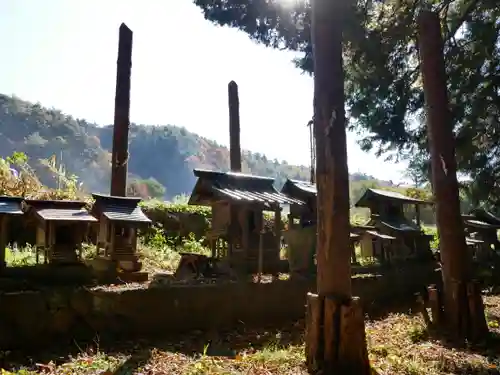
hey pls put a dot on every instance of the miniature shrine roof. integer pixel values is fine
(377, 194)
(234, 187)
(374, 233)
(472, 241)
(486, 216)
(120, 208)
(294, 188)
(362, 228)
(53, 210)
(400, 226)
(10, 205)
(479, 224)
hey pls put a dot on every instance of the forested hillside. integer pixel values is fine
(161, 157)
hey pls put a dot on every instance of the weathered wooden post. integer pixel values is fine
(335, 332)
(463, 307)
(234, 239)
(122, 114)
(234, 127)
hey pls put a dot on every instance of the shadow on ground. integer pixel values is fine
(212, 343)
(136, 353)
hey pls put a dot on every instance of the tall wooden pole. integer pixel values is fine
(455, 258)
(236, 245)
(335, 335)
(122, 114)
(234, 127)
(332, 176)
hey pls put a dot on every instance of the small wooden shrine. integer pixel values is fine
(301, 232)
(119, 220)
(61, 228)
(373, 244)
(304, 192)
(9, 206)
(247, 196)
(481, 228)
(407, 240)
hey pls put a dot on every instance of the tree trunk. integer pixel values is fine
(335, 326)
(455, 257)
(332, 176)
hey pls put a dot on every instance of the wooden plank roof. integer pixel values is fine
(377, 194)
(119, 208)
(485, 216)
(401, 226)
(374, 233)
(59, 210)
(234, 187)
(297, 189)
(479, 224)
(11, 205)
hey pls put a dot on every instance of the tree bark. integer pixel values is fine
(332, 176)
(335, 331)
(455, 257)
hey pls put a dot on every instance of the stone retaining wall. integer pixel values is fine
(39, 317)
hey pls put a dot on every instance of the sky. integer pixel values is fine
(62, 53)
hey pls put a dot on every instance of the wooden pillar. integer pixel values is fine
(277, 230)
(353, 252)
(3, 239)
(49, 242)
(246, 214)
(312, 147)
(260, 259)
(455, 258)
(234, 156)
(417, 214)
(335, 335)
(234, 127)
(122, 114)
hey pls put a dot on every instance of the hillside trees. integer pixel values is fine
(383, 88)
(166, 153)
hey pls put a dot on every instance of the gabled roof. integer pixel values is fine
(10, 205)
(234, 187)
(119, 208)
(298, 189)
(53, 210)
(377, 194)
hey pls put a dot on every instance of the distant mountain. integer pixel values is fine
(163, 154)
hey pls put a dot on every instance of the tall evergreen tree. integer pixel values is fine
(383, 84)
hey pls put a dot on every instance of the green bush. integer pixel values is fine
(435, 240)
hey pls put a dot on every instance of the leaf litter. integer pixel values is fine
(398, 345)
